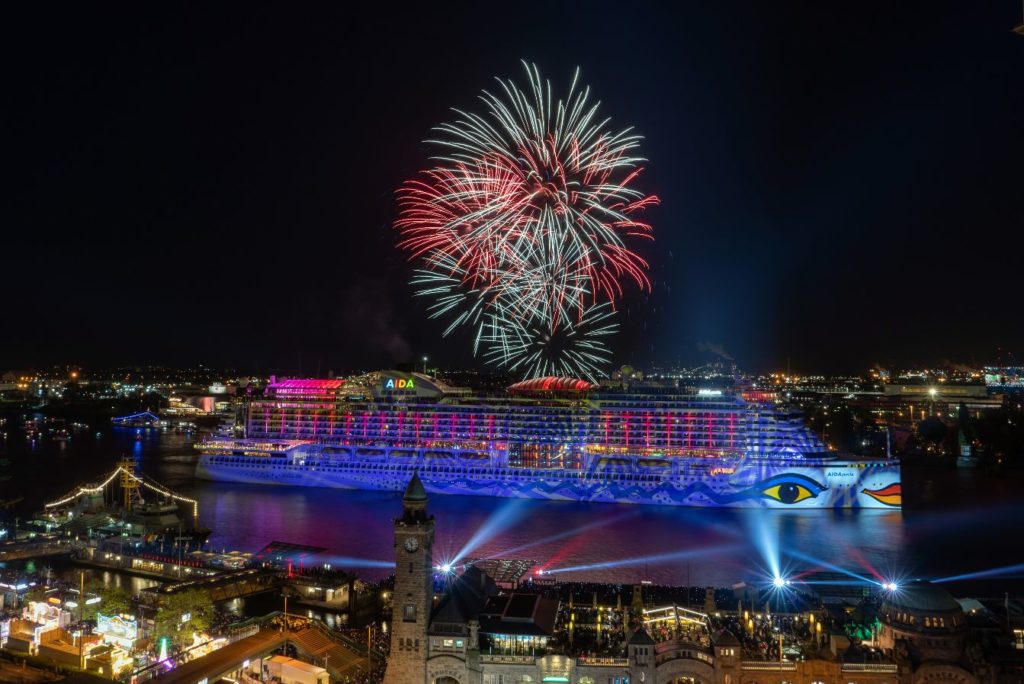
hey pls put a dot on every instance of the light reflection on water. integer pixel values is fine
(969, 523)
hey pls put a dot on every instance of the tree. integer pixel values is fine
(114, 600)
(183, 614)
(932, 430)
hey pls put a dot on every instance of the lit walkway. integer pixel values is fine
(224, 660)
(325, 652)
(328, 653)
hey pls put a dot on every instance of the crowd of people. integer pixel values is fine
(695, 633)
(759, 636)
(380, 640)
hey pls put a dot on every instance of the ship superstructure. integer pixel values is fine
(558, 438)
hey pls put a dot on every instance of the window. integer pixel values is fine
(409, 614)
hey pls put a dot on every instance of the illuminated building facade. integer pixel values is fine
(475, 634)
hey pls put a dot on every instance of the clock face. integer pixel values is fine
(411, 544)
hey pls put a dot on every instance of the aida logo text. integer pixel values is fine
(399, 383)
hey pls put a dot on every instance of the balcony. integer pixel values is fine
(495, 659)
(603, 662)
(768, 666)
(870, 667)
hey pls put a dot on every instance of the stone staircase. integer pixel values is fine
(325, 651)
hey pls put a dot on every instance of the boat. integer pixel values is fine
(143, 419)
(545, 438)
(967, 459)
(124, 503)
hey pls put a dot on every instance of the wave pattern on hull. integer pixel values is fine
(756, 484)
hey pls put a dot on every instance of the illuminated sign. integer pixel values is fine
(118, 629)
(722, 471)
(709, 393)
(399, 383)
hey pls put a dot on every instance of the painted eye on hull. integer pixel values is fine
(790, 489)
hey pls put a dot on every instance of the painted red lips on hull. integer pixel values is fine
(890, 496)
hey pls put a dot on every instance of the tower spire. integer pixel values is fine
(414, 501)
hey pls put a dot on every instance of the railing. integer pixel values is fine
(603, 662)
(676, 649)
(242, 633)
(507, 659)
(870, 667)
(768, 665)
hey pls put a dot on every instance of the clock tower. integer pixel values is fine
(414, 588)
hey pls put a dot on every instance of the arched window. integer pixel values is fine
(446, 680)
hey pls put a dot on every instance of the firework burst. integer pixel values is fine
(523, 229)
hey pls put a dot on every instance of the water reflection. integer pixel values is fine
(964, 521)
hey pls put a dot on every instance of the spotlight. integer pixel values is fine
(780, 582)
(890, 586)
(446, 568)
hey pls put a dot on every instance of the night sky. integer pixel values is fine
(841, 183)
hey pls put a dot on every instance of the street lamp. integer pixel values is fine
(424, 365)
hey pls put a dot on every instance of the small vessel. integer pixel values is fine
(966, 459)
(159, 514)
(143, 419)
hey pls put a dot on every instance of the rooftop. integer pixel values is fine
(924, 597)
(550, 383)
(306, 384)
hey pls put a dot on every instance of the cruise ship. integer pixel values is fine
(545, 438)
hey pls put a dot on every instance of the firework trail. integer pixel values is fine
(523, 228)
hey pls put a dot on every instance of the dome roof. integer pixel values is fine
(550, 383)
(923, 597)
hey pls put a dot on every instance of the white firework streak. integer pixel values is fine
(521, 229)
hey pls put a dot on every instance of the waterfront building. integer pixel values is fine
(474, 633)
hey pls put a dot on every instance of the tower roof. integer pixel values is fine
(726, 638)
(415, 491)
(640, 637)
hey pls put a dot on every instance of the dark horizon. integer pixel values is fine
(215, 185)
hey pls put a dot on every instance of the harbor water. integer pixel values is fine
(954, 522)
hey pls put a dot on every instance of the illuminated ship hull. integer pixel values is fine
(662, 447)
(733, 483)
